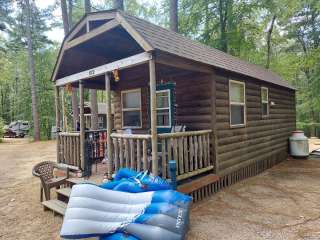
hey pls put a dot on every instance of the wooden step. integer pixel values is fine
(64, 192)
(73, 181)
(198, 183)
(55, 205)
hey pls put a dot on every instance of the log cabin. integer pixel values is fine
(221, 118)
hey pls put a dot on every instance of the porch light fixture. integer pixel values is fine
(116, 75)
(68, 88)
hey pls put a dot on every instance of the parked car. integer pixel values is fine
(17, 129)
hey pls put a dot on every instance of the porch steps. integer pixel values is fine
(198, 183)
(73, 181)
(55, 205)
(63, 194)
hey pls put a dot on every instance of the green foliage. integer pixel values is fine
(1, 128)
(310, 129)
(237, 27)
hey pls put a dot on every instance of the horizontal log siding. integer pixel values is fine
(263, 138)
(194, 101)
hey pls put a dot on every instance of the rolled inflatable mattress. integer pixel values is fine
(97, 212)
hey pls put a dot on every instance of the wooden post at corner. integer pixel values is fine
(109, 126)
(82, 125)
(153, 110)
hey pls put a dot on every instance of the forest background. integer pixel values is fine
(283, 35)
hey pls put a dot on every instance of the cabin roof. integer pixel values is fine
(174, 43)
(165, 40)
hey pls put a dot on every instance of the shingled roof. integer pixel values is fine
(174, 43)
(162, 39)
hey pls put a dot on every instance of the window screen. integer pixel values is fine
(264, 101)
(237, 103)
(131, 108)
(163, 108)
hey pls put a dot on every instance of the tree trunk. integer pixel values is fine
(87, 6)
(118, 4)
(74, 94)
(35, 115)
(70, 8)
(64, 11)
(223, 14)
(67, 25)
(174, 15)
(93, 92)
(269, 33)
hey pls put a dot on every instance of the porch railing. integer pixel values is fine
(130, 150)
(191, 150)
(69, 148)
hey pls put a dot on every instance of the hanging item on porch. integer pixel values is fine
(68, 88)
(116, 75)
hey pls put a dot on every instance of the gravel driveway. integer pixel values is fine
(281, 203)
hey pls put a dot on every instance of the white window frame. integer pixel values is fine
(238, 104)
(166, 108)
(265, 101)
(131, 109)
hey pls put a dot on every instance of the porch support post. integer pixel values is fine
(82, 123)
(109, 126)
(58, 117)
(153, 110)
(64, 117)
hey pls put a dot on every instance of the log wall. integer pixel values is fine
(263, 138)
(193, 101)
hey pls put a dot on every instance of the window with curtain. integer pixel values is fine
(163, 108)
(264, 101)
(131, 108)
(237, 103)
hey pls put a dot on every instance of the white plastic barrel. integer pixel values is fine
(299, 144)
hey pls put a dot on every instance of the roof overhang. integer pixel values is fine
(100, 70)
(113, 19)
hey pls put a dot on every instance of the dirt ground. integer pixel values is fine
(281, 203)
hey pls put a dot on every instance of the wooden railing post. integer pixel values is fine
(153, 110)
(82, 127)
(215, 152)
(109, 126)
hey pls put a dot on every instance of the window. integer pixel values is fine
(163, 108)
(100, 122)
(131, 108)
(264, 101)
(237, 103)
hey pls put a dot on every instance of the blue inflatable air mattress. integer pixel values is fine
(97, 212)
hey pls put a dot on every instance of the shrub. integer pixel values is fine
(1, 128)
(309, 127)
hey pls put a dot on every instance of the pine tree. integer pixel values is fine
(35, 114)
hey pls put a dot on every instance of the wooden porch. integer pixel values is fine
(191, 150)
